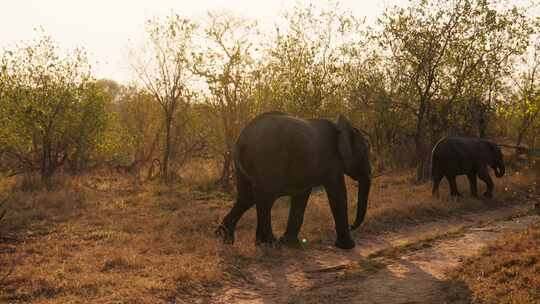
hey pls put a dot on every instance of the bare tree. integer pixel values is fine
(165, 74)
(527, 98)
(227, 65)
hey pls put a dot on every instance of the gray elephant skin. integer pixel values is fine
(281, 155)
(453, 156)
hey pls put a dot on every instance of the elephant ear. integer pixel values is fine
(344, 142)
(494, 151)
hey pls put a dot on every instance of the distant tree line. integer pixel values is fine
(423, 71)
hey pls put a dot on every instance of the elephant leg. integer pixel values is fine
(296, 218)
(264, 234)
(244, 201)
(337, 197)
(453, 185)
(472, 184)
(436, 182)
(483, 174)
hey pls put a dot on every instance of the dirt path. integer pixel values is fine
(405, 267)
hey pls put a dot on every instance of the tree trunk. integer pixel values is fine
(420, 146)
(423, 160)
(482, 126)
(155, 163)
(46, 164)
(423, 168)
(520, 137)
(536, 168)
(225, 179)
(525, 124)
(167, 150)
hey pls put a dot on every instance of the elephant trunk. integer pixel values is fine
(364, 184)
(499, 170)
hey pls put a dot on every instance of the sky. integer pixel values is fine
(107, 28)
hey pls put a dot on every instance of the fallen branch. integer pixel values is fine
(19, 173)
(513, 146)
(374, 176)
(384, 173)
(522, 150)
(327, 269)
(379, 175)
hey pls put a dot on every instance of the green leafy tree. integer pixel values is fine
(138, 129)
(524, 102)
(450, 57)
(47, 101)
(303, 72)
(95, 116)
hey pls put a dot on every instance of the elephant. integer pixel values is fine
(278, 154)
(454, 156)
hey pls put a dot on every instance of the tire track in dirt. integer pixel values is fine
(333, 275)
(416, 277)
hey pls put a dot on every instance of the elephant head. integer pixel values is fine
(495, 159)
(354, 151)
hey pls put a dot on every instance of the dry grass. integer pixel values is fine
(98, 239)
(506, 272)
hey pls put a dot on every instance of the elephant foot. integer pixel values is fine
(488, 194)
(291, 242)
(355, 225)
(345, 243)
(224, 233)
(267, 240)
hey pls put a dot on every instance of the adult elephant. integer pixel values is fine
(454, 156)
(281, 155)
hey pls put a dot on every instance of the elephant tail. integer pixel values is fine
(434, 165)
(435, 158)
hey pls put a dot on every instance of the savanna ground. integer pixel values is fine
(507, 271)
(102, 239)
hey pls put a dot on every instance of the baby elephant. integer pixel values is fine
(454, 156)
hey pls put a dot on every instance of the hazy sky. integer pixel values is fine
(104, 27)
